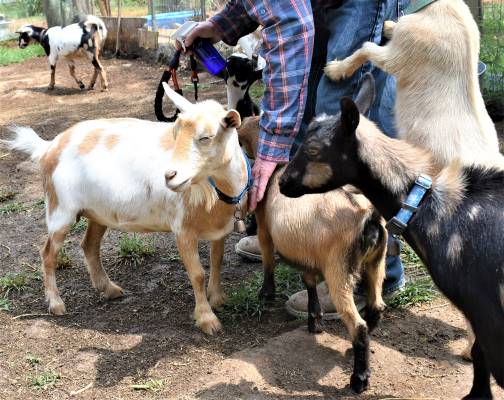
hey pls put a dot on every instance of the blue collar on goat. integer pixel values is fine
(399, 223)
(237, 199)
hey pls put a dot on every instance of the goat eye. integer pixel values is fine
(312, 152)
(204, 139)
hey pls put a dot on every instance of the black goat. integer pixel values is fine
(457, 231)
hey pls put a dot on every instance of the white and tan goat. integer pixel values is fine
(433, 53)
(142, 176)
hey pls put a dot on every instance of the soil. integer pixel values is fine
(106, 346)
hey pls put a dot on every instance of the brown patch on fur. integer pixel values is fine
(396, 162)
(248, 135)
(111, 141)
(90, 142)
(317, 174)
(167, 141)
(48, 164)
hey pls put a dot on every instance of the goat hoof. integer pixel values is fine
(50, 87)
(359, 382)
(104, 89)
(266, 294)
(82, 86)
(57, 307)
(209, 323)
(335, 70)
(314, 326)
(113, 291)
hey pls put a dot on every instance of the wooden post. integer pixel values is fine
(203, 10)
(152, 12)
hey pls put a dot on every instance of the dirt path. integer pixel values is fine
(149, 334)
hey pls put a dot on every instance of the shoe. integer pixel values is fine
(248, 248)
(297, 304)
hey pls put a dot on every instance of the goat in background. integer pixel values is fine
(82, 39)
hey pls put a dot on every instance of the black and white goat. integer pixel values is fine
(457, 230)
(241, 74)
(84, 38)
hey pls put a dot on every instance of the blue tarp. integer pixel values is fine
(169, 20)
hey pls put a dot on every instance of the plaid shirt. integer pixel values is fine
(287, 34)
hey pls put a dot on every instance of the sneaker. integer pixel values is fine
(297, 304)
(248, 248)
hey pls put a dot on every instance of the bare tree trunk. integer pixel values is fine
(105, 7)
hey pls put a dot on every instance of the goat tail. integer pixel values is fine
(96, 24)
(27, 141)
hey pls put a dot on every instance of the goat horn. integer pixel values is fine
(180, 102)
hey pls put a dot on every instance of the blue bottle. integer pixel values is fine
(208, 55)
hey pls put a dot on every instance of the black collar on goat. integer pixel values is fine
(457, 232)
(241, 74)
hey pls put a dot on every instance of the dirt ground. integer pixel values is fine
(105, 347)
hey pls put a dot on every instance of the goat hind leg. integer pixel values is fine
(91, 246)
(71, 67)
(314, 310)
(203, 314)
(340, 69)
(216, 296)
(341, 290)
(53, 77)
(101, 71)
(49, 255)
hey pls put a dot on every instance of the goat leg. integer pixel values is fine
(53, 77)
(359, 381)
(216, 296)
(341, 69)
(481, 381)
(267, 291)
(71, 67)
(314, 310)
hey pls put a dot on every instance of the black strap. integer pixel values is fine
(171, 73)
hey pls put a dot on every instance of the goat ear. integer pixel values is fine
(366, 96)
(180, 102)
(231, 120)
(349, 115)
(257, 75)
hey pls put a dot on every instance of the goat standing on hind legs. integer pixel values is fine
(165, 181)
(456, 230)
(82, 39)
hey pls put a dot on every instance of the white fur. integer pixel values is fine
(28, 141)
(434, 54)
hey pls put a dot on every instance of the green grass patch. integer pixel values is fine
(79, 226)
(44, 380)
(152, 385)
(133, 250)
(16, 281)
(256, 92)
(7, 195)
(64, 260)
(17, 207)
(13, 208)
(13, 55)
(244, 302)
(33, 360)
(419, 287)
(5, 304)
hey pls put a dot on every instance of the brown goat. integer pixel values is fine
(338, 234)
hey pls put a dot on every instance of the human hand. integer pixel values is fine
(261, 171)
(204, 30)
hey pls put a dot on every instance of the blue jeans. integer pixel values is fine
(338, 33)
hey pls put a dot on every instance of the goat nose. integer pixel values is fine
(170, 175)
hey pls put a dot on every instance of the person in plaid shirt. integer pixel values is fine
(299, 37)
